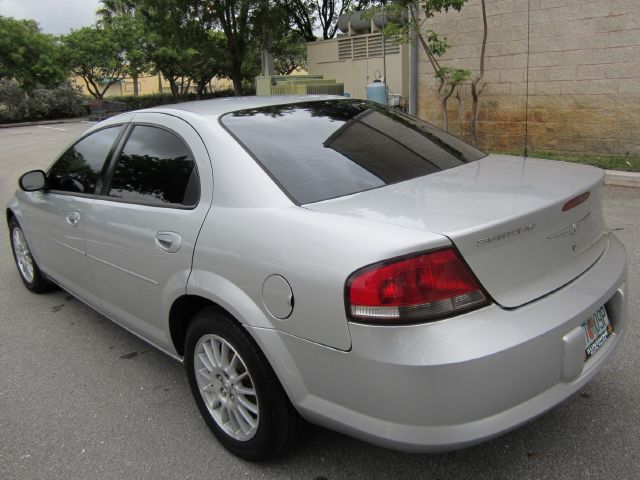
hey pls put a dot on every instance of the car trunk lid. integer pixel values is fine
(505, 215)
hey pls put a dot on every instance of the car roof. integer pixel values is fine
(216, 107)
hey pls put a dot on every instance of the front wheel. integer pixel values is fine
(236, 390)
(27, 267)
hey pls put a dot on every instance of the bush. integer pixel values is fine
(62, 102)
(65, 101)
(13, 102)
(42, 104)
(157, 99)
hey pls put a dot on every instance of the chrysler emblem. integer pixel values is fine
(571, 229)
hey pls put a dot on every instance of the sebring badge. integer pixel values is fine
(510, 234)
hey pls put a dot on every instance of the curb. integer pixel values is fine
(45, 122)
(622, 179)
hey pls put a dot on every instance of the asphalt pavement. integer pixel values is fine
(81, 398)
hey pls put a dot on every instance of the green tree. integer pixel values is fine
(307, 16)
(175, 31)
(29, 56)
(289, 53)
(127, 25)
(210, 60)
(236, 19)
(302, 16)
(95, 54)
(433, 45)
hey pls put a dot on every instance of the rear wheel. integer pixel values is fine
(27, 267)
(236, 390)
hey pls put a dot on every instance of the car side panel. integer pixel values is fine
(136, 280)
(59, 246)
(239, 248)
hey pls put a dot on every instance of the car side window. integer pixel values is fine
(155, 167)
(79, 168)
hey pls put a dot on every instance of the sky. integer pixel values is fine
(53, 16)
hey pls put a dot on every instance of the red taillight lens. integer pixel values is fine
(417, 288)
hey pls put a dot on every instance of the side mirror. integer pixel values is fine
(33, 180)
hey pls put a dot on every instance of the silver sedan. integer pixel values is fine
(329, 259)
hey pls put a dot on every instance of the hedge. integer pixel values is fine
(66, 101)
(156, 99)
(41, 104)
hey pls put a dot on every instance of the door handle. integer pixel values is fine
(168, 241)
(73, 218)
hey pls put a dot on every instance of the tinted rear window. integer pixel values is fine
(321, 150)
(155, 167)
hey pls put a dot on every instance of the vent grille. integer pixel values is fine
(359, 48)
(392, 47)
(375, 46)
(365, 46)
(344, 49)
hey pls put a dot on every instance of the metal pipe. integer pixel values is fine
(413, 74)
(526, 105)
(384, 59)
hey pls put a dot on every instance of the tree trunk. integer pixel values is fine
(445, 114)
(460, 106)
(175, 91)
(475, 93)
(474, 114)
(202, 84)
(236, 76)
(92, 88)
(136, 87)
(184, 87)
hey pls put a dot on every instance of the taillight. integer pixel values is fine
(413, 289)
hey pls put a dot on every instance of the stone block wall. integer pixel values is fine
(582, 58)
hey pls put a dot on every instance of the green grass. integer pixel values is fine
(626, 163)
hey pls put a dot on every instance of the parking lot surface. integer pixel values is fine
(82, 398)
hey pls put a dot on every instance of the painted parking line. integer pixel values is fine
(53, 128)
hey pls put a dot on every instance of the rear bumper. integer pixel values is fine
(456, 382)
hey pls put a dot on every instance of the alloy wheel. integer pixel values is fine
(226, 387)
(23, 255)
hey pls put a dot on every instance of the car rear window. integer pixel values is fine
(327, 149)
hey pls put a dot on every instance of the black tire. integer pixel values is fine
(36, 281)
(277, 421)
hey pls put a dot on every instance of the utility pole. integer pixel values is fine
(266, 58)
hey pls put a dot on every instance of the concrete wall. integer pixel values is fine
(583, 69)
(147, 85)
(356, 71)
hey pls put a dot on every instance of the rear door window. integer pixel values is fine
(155, 167)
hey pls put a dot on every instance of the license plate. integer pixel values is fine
(597, 330)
